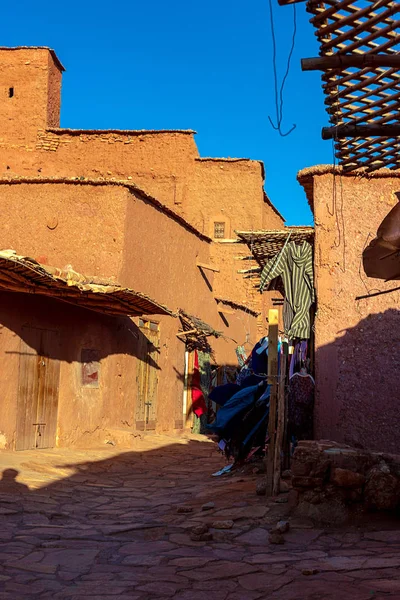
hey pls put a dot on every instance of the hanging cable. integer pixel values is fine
(279, 102)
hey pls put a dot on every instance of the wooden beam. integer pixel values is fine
(188, 332)
(273, 317)
(207, 267)
(344, 61)
(226, 311)
(362, 131)
(286, 2)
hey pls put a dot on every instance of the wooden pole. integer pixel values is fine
(344, 61)
(285, 2)
(273, 316)
(362, 131)
(280, 428)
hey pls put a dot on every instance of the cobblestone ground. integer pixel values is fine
(108, 525)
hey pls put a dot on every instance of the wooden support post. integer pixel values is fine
(362, 131)
(281, 425)
(344, 61)
(273, 316)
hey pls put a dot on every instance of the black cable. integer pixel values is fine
(279, 95)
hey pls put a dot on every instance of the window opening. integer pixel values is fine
(219, 230)
(11, 92)
(90, 363)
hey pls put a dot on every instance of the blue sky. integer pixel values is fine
(185, 65)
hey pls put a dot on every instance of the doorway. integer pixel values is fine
(38, 389)
(147, 375)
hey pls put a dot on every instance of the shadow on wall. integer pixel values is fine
(358, 387)
(76, 328)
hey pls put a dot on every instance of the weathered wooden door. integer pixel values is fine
(39, 376)
(147, 375)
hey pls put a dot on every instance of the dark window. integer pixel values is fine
(90, 368)
(219, 231)
(11, 92)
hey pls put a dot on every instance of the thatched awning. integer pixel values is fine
(23, 274)
(266, 244)
(195, 332)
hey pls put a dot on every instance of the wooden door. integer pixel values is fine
(147, 375)
(39, 376)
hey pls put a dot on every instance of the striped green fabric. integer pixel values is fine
(295, 265)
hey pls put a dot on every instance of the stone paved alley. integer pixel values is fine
(109, 524)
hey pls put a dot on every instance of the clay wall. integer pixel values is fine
(86, 416)
(30, 85)
(110, 232)
(160, 163)
(228, 191)
(63, 224)
(356, 340)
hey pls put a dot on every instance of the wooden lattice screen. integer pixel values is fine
(360, 60)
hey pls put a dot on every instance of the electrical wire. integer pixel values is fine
(279, 101)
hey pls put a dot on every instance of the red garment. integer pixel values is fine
(198, 403)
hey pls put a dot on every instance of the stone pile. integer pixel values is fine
(330, 481)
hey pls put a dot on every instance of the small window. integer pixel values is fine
(219, 231)
(11, 92)
(152, 325)
(90, 368)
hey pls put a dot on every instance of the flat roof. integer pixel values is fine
(52, 52)
(62, 130)
(306, 176)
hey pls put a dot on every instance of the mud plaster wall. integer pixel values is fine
(225, 188)
(357, 342)
(36, 81)
(85, 415)
(61, 224)
(107, 231)
(167, 270)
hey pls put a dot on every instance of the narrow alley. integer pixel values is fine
(152, 523)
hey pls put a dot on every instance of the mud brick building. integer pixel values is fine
(93, 217)
(357, 331)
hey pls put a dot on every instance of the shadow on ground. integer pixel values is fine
(102, 525)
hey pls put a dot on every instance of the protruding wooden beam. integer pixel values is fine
(285, 2)
(207, 267)
(344, 61)
(362, 131)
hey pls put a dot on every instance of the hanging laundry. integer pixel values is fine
(259, 357)
(294, 264)
(198, 402)
(241, 355)
(301, 406)
(298, 358)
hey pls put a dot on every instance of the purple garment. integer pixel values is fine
(299, 358)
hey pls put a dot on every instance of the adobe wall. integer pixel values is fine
(225, 190)
(160, 163)
(167, 271)
(357, 342)
(85, 415)
(60, 224)
(36, 83)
